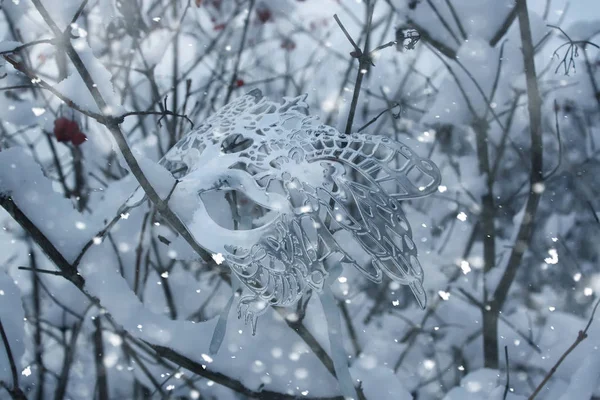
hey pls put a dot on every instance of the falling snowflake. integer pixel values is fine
(218, 258)
(553, 259)
(465, 267)
(444, 295)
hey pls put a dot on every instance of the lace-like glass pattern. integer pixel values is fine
(326, 194)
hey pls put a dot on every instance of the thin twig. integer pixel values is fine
(457, 20)
(16, 392)
(440, 46)
(510, 18)
(581, 336)
(79, 12)
(26, 45)
(443, 21)
(37, 336)
(47, 247)
(343, 28)
(572, 51)
(234, 75)
(364, 62)
(593, 212)
(43, 84)
(101, 377)
(226, 381)
(504, 319)
(69, 358)
(43, 271)
(558, 138)
(507, 386)
(164, 113)
(396, 116)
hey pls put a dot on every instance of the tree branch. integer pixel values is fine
(536, 175)
(16, 391)
(581, 336)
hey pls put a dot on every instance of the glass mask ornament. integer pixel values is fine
(322, 195)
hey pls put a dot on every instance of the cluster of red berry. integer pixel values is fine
(66, 130)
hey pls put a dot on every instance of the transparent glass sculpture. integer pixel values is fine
(322, 195)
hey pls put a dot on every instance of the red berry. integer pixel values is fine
(65, 129)
(239, 82)
(264, 14)
(219, 27)
(78, 138)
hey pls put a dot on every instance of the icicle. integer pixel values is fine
(338, 354)
(221, 328)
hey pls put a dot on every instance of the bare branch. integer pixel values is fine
(163, 114)
(16, 391)
(536, 177)
(343, 28)
(581, 336)
(27, 45)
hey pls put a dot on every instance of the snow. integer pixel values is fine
(583, 30)
(104, 282)
(9, 45)
(480, 19)
(75, 89)
(159, 178)
(22, 180)
(584, 381)
(154, 47)
(19, 114)
(183, 303)
(480, 385)
(193, 339)
(61, 11)
(380, 383)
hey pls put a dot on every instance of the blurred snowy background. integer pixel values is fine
(512, 270)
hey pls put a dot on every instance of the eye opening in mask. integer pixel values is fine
(233, 210)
